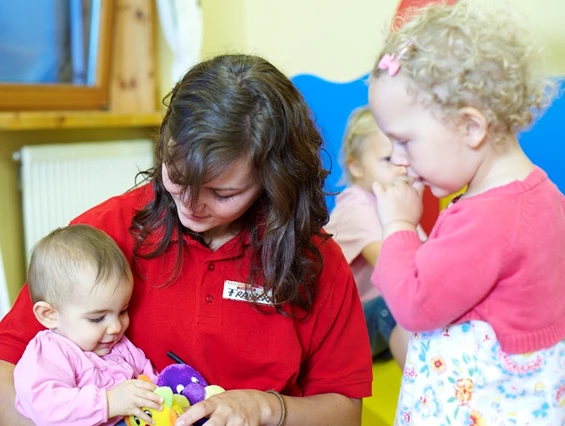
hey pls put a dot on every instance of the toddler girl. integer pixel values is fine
(484, 294)
(355, 225)
(82, 370)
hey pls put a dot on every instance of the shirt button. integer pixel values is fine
(209, 298)
(211, 266)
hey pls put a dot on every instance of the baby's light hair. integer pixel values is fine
(469, 55)
(69, 259)
(360, 124)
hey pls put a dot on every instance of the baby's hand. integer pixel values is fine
(399, 205)
(128, 397)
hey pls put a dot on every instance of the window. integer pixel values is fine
(54, 54)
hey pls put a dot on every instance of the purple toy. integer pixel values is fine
(187, 381)
(184, 380)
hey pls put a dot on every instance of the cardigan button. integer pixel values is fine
(211, 266)
(209, 298)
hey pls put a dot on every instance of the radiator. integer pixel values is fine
(58, 182)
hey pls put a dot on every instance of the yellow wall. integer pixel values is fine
(338, 40)
(331, 38)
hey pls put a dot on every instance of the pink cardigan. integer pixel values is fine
(59, 384)
(497, 257)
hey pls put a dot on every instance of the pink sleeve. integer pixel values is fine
(46, 389)
(430, 285)
(141, 363)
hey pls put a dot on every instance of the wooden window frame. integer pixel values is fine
(34, 97)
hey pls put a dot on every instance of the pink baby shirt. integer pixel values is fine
(59, 384)
(354, 224)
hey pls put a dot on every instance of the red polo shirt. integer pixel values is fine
(231, 342)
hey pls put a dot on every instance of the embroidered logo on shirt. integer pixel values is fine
(242, 292)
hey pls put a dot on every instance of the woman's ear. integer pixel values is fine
(475, 126)
(46, 314)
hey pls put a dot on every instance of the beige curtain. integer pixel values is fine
(181, 23)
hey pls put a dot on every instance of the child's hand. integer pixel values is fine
(399, 205)
(128, 397)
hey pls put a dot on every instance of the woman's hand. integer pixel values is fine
(235, 408)
(399, 205)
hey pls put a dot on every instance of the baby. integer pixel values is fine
(82, 370)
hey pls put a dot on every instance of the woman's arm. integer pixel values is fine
(264, 409)
(327, 409)
(8, 413)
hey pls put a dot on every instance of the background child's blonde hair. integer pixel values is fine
(360, 124)
(469, 55)
(71, 258)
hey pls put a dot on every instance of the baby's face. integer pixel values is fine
(374, 164)
(97, 320)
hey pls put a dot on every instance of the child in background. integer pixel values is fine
(484, 294)
(82, 370)
(356, 228)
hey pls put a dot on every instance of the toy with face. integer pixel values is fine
(173, 406)
(187, 381)
(184, 380)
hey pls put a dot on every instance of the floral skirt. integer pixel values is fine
(459, 376)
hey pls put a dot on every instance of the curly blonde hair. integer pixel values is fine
(466, 55)
(360, 124)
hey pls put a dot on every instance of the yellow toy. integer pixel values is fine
(173, 406)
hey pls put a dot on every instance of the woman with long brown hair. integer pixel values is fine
(233, 272)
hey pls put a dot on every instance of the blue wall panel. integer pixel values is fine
(331, 104)
(544, 142)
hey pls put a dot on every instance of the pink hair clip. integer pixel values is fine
(390, 62)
